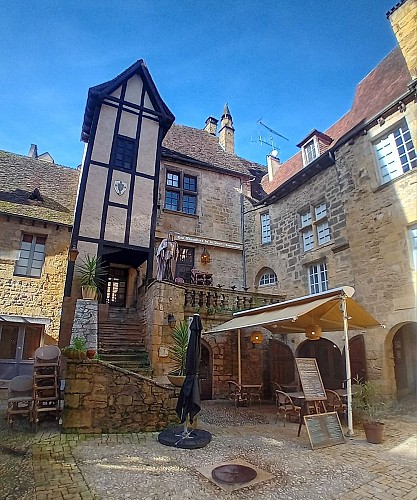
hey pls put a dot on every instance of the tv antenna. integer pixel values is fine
(270, 140)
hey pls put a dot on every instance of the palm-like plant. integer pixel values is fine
(178, 351)
(91, 273)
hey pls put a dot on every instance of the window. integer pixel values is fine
(31, 256)
(265, 228)
(412, 231)
(268, 278)
(181, 193)
(314, 226)
(124, 151)
(395, 153)
(317, 278)
(310, 152)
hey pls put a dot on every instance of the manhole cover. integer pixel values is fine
(234, 474)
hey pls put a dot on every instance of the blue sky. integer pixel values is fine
(293, 64)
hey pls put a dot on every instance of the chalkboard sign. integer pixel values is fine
(310, 379)
(324, 429)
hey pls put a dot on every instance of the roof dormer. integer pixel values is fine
(314, 145)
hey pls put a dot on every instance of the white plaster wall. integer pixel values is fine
(141, 213)
(115, 224)
(147, 147)
(104, 135)
(117, 92)
(120, 176)
(93, 201)
(134, 90)
(147, 102)
(128, 124)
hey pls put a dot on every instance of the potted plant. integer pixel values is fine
(178, 353)
(369, 405)
(77, 348)
(91, 275)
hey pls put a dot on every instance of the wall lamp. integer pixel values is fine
(171, 320)
(256, 337)
(73, 253)
(205, 257)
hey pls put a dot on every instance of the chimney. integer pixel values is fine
(227, 132)
(33, 151)
(403, 22)
(211, 125)
(273, 165)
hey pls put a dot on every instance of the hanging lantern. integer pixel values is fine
(313, 332)
(205, 257)
(73, 253)
(256, 337)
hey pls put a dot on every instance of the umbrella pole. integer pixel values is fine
(350, 431)
(239, 360)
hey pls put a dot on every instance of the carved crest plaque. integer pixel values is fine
(120, 187)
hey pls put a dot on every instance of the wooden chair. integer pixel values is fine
(334, 403)
(236, 394)
(20, 400)
(287, 408)
(255, 393)
(275, 387)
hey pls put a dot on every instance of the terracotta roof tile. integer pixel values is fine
(378, 89)
(21, 175)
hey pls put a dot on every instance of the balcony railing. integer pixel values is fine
(213, 300)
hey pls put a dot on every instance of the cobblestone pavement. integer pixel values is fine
(51, 465)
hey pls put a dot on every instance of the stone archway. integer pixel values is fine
(329, 360)
(404, 349)
(206, 371)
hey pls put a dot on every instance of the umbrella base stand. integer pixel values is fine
(190, 439)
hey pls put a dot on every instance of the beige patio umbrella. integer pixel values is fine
(333, 310)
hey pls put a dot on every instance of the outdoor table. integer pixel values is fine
(289, 388)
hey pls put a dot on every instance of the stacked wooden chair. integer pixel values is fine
(20, 398)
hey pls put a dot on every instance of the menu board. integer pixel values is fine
(310, 379)
(324, 429)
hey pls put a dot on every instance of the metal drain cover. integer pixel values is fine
(234, 474)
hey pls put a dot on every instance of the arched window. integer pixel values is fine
(268, 278)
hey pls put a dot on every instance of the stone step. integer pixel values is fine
(115, 337)
(137, 362)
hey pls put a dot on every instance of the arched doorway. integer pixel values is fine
(329, 360)
(206, 373)
(404, 347)
(281, 363)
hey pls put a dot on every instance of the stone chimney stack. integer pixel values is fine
(227, 132)
(273, 165)
(403, 19)
(33, 151)
(211, 125)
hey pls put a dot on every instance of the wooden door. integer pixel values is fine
(329, 361)
(400, 364)
(205, 372)
(357, 358)
(281, 362)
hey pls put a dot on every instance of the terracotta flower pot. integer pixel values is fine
(374, 432)
(176, 380)
(91, 353)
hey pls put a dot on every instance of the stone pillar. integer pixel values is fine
(227, 132)
(86, 322)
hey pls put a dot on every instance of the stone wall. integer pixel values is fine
(100, 397)
(26, 296)
(85, 323)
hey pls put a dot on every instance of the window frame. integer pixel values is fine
(182, 195)
(318, 269)
(270, 273)
(307, 157)
(313, 222)
(30, 255)
(390, 139)
(265, 220)
(127, 140)
(412, 241)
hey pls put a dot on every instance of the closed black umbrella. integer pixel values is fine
(189, 402)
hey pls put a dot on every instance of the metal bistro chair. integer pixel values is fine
(276, 387)
(20, 400)
(287, 408)
(334, 403)
(255, 393)
(236, 394)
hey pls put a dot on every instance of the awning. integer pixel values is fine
(294, 316)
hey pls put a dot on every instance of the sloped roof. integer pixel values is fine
(199, 145)
(382, 86)
(21, 175)
(99, 92)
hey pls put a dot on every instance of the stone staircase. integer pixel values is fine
(121, 342)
